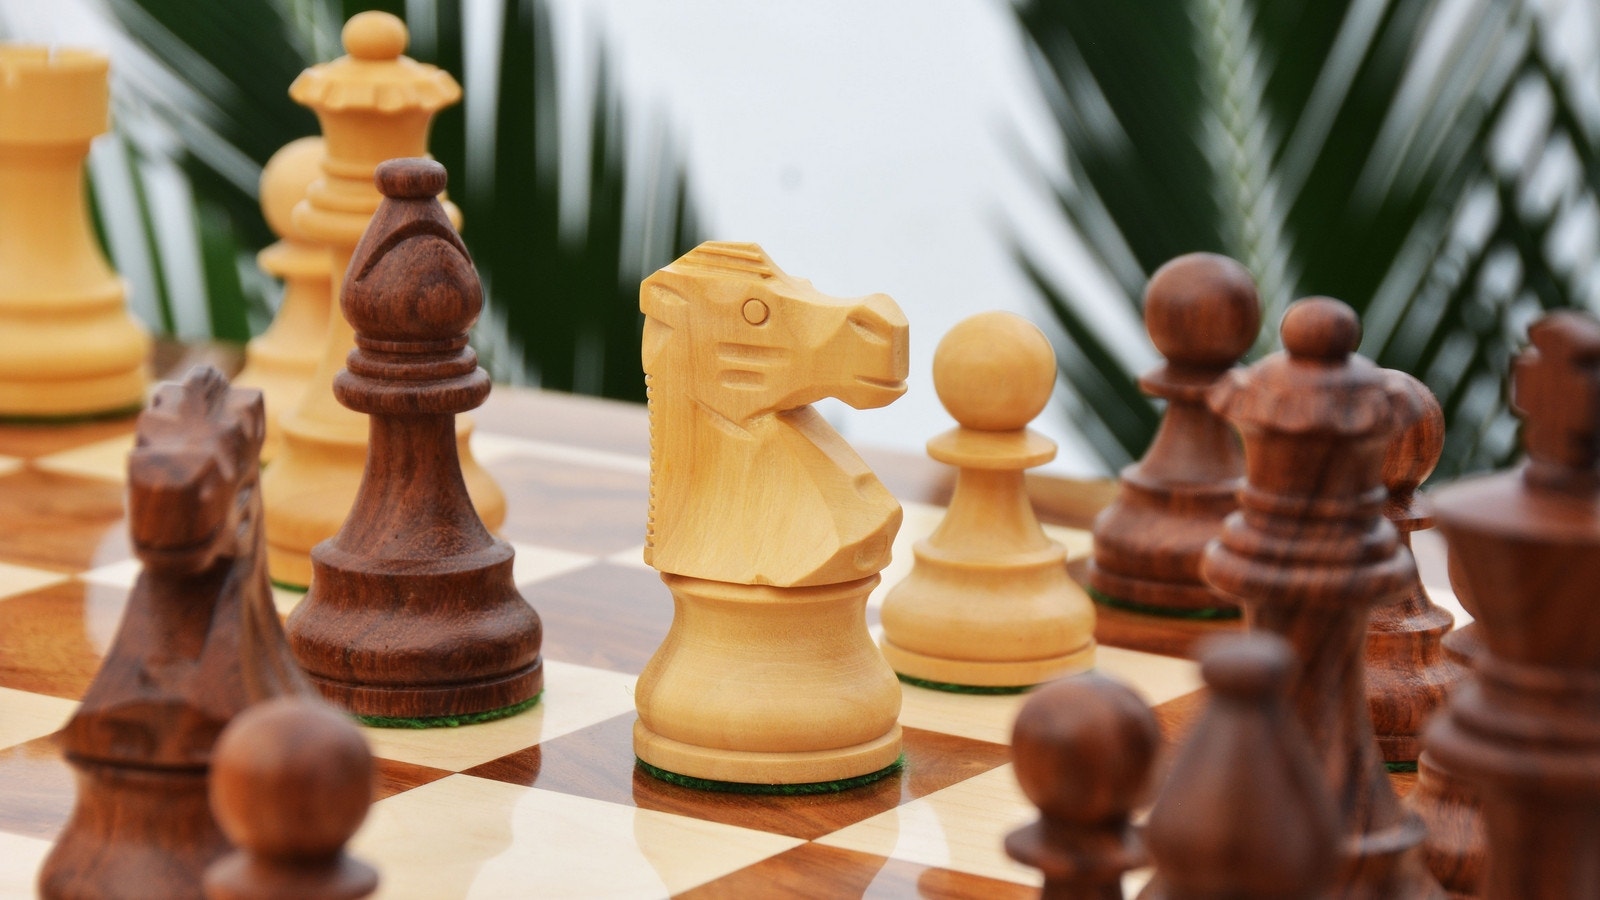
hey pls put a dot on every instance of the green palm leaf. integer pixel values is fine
(1343, 148)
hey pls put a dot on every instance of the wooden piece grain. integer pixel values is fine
(1408, 672)
(199, 642)
(68, 345)
(1202, 313)
(372, 108)
(1082, 747)
(1309, 552)
(1524, 728)
(989, 602)
(281, 361)
(765, 524)
(1245, 813)
(291, 782)
(413, 612)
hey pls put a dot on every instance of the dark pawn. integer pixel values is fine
(291, 782)
(199, 642)
(412, 613)
(1525, 726)
(1082, 749)
(1408, 672)
(1309, 553)
(1245, 814)
(1447, 803)
(1202, 314)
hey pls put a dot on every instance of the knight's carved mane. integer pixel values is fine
(771, 498)
(709, 260)
(714, 258)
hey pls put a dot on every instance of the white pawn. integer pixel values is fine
(282, 360)
(988, 604)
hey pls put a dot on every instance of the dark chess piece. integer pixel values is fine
(1083, 747)
(1309, 552)
(1524, 728)
(199, 642)
(1245, 813)
(290, 783)
(412, 613)
(1447, 803)
(1408, 672)
(1202, 314)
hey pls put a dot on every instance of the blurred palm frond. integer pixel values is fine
(1432, 164)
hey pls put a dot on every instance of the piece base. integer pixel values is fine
(467, 702)
(1400, 750)
(771, 768)
(72, 418)
(965, 688)
(784, 790)
(1208, 613)
(289, 569)
(1008, 674)
(504, 712)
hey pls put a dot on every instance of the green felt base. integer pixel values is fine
(1400, 766)
(1215, 613)
(289, 587)
(966, 688)
(787, 790)
(120, 412)
(450, 721)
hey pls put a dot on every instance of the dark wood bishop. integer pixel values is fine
(1202, 314)
(199, 642)
(1309, 552)
(1082, 748)
(1525, 726)
(291, 782)
(412, 612)
(1244, 814)
(1408, 672)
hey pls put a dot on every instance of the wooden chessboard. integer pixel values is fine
(549, 803)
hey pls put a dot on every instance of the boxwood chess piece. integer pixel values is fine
(989, 605)
(767, 527)
(68, 346)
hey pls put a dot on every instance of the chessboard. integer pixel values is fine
(549, 803)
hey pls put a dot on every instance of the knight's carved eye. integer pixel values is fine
(755, 312)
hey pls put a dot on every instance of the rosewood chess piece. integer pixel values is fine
(413, 613)
(767, 527)
(68, 346)
(1309, 552)
(199, 642)
(1446, 802)
(1202, 314)
(1082, 748)
(1245, 813)
(1524, 727)
(282, 360)
(291, 781)
(989, 603)
(1408, 672)
(374, 104)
